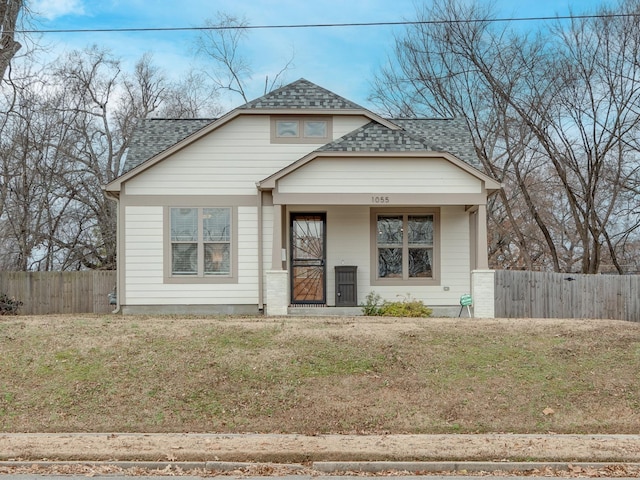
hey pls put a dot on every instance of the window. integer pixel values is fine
(200, 242)
(287, 129)
(300, 129)
(404, 248)
(315, 128)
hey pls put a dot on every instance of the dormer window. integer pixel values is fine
(301, 129)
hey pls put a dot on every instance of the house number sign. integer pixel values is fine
(380, 199)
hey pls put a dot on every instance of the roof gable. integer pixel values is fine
(301, 95)
(447, 138)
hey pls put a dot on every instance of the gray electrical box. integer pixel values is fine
(346, 286)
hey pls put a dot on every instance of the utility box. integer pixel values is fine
(346, 286)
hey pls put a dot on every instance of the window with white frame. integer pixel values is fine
(300, 129)
(200, 240)
(405, 247)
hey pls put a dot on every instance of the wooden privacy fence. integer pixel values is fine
(524, 294)
(60, 292)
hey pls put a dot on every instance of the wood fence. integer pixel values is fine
(518, 294)
(524, 294)
(60, 292)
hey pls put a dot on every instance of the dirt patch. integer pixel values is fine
(320, 448)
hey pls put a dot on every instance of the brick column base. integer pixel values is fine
(277, 293)
(483, 293)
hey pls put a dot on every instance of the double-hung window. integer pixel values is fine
(200, 242)
(405, 247)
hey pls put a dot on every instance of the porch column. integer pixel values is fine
(482, 248)
(277, 259)
(277, 278)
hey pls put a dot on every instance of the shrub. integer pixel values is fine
(371, 307)
(9, 305)
(408, 307)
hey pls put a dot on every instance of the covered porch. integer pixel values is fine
(412, 224)
(323, 259)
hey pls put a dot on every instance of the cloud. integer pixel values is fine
(52, 9)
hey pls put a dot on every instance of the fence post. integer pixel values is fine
(483, 293)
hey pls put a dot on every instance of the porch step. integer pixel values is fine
(311, 311)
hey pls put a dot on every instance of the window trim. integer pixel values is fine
(435, 279)
(301, 137)
(170, 278)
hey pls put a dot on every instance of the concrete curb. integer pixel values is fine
(464, 467)
(337, 467)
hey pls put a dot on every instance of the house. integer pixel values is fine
(301, 199)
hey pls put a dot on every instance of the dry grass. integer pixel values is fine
(315, 375)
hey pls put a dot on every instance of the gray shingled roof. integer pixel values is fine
(417, 135)
(301, 95)
(152, 136)
(155, 135)
(449, 135)
(374, 137)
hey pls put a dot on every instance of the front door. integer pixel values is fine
(308, 270)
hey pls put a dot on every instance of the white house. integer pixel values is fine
(300, 199)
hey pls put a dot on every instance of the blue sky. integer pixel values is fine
(341, 59)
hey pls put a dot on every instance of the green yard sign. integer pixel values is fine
(465, 301)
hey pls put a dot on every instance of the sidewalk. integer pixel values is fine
(272, 448)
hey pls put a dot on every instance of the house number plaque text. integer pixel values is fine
(380, 199)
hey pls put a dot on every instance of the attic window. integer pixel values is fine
(315, 128)
(301, 129)
(287, 129)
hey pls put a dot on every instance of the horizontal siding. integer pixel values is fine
(229, 161)
(455, 267)
(348, 123)
(349, 243)
(366, 175)
(348, 233)
(144, 264)
(143, 250)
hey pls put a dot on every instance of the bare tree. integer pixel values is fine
(9, 46)
(191, 97)
(101, 105)
(221, 43)
(33, 201)
(554, 117)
